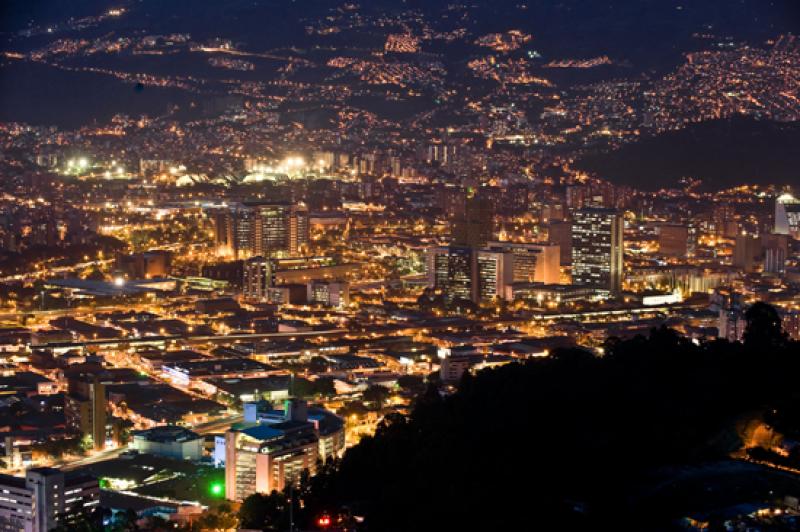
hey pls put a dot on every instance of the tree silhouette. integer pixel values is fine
(764, 327)
(570, 441)
(376, 395)
(264, 512)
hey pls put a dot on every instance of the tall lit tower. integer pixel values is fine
(787, 215)
(473, 220)
(597, 245)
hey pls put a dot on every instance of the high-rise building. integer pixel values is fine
(473, 223)
(272, 448)
(85, 408)
(534, 263)
(329, 293)
(267, 229)
(494, 273)
(451, 270)
(489, 273)
(597, 249)
(775, 250)
(747, 252)
(691, 238)
(731, 325)
(724, 222)
(673, 240)
(258, 278)
(530, 262)
(787, 216)
(731, 313)
(443, 153)
(147, 265)
(46, 498)
(560, 234)
(576, 196)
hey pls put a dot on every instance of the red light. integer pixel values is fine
(324, 521)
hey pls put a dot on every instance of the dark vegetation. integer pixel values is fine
(572, 441)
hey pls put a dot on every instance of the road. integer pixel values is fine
(189, 338)
(50, 272)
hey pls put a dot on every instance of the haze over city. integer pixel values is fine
(399, 265)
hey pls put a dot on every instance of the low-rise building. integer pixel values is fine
(170, 441)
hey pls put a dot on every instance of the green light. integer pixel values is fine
(217, 488)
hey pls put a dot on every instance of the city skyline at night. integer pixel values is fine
(399, 265)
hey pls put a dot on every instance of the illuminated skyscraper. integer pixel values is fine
(451, 270)
(494, 273)
(787, 216)
(85, 408)
(597, 246)
(272, 448)
(267, 229)
(258, 278)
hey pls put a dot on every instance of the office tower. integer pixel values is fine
(46, 498)
(597, 246)
(560, 234)
(489, 273)
(673, 240)
(747, 253)
(272, 448)
(278, 228)
(267, 229)
(536, 263)
(459, 273)
(329, 293)
(258, 278)
(518, 199)
(787, 216)
(552, 212)
(451, 270)
(731, 325)
(493, 274)
(775, 250)
(233, 235)
(530, 262)
(443, 153)
(85, 408)
(473, 220)
(147, 265)
(724, 220)
(691, 238)
(576, 196)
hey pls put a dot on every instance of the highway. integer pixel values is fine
(188, 338)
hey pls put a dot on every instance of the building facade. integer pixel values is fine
(272, 448)
(266, 229)
(597, 249)
(258, 278)
(45, 499)
(170, 441)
